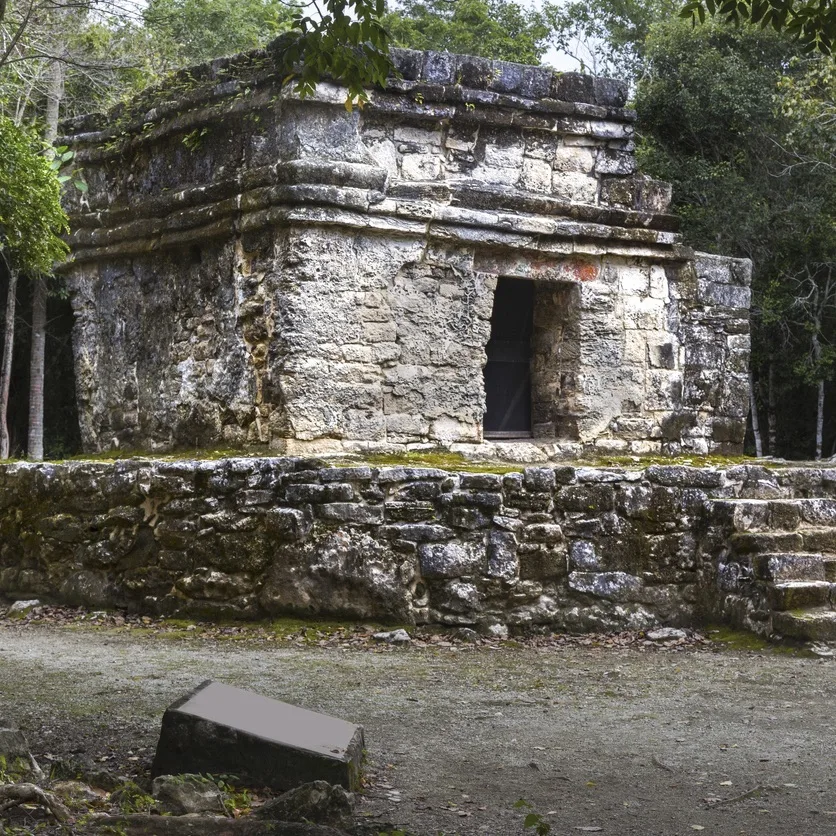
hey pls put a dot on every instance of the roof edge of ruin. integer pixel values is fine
(441, 69)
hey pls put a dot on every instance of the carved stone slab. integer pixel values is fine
(222, 730)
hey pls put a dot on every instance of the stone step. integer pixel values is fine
(818, 539)
(813, 625)
(753, 542)
(829, 563)
(774, 514)
(797, 595)
(789, 566)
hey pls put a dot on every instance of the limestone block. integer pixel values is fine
(458, 597)
(549, 533)
(586, 498)
(346, 571)
(543, 564)
(632, 427)
(446, 428)
(727, 295)
(646, 313)
(635, 281)
(451, 560)
(357, 353)
(664, 389)
(574, 159)
(536, 176)
(611, 446)
(506, 153)
(662, 351)
(658, 503)
(420, 167)
(575, 187)
(541, 479)
(580, 141)
(582, 556)
(502, 555)
(539, 146)
(615, 162)
(614, 586)
(658, 283)
(418, 532)
(635, 348)
(499, 176)
(407, 424)
(418, 136)
(385, 154)
(459, 139)
(610, 130)
(211, 585)
(350, 512)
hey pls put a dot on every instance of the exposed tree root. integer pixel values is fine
(12, 795)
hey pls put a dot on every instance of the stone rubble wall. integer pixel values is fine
(252, 270)
(573, 548)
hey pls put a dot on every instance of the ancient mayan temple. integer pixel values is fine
(469, 260)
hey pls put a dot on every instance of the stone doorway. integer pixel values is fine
(508, 370)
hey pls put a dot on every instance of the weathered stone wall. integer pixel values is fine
(575, 548)
(251, 269)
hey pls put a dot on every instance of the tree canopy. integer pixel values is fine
(190, 31)
(718, 110)
(489, 28)
(811, 22)
(31, 218)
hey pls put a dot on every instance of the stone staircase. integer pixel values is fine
(781, 556)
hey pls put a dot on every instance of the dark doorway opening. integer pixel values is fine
(508, 370)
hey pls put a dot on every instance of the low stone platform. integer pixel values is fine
(574, 548)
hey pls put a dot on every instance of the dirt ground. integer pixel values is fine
(614, 741)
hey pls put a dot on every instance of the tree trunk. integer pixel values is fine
(771, 419)
(820, 420)
(816, 352)
(6, 369)
(35, 444)
(753, 410)
(54, 95)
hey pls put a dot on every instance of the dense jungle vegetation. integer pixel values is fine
(737, 112)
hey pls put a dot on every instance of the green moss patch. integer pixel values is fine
(731, 639)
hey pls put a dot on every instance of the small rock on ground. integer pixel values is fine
(318, 802)
(184, 794)
(666, 634)
(20, 609)
(393, 637)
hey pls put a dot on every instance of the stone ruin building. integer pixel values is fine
(471, 260)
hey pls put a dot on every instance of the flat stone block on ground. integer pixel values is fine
(221, 730)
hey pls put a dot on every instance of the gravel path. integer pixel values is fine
(634, 743)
